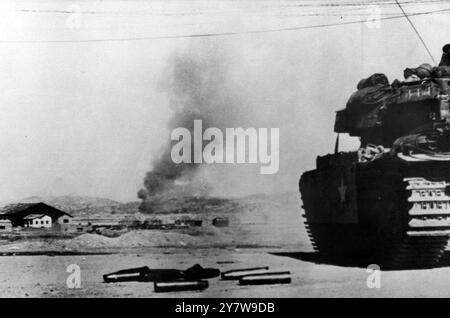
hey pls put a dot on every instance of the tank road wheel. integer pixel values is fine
(427, 228)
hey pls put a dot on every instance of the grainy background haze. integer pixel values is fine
(88, 118)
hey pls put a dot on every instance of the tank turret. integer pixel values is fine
(382, 113)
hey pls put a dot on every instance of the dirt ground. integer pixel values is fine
(270, 234)
(45, 276)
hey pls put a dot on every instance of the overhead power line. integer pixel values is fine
(417, 32)
(350, 6)
(221, 34)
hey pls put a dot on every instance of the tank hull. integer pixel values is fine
(392, 212)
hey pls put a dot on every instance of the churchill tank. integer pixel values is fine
(389, 200)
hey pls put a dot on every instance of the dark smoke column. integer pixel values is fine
(198, 87)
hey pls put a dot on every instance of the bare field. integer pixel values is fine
(269, 233)
(45, 276)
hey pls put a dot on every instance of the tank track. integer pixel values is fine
(425, 234)
(310, 234)
(428, 227)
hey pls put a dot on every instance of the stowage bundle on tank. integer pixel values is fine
(388, 199)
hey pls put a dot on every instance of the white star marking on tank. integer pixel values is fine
(342, 190)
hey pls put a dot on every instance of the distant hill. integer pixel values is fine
(88, 205)
(79, 205)
(72, 200)
(203, 204)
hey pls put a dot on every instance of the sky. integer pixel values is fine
(83, 109)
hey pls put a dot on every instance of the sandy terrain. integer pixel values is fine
(268, 233)
(45, 276)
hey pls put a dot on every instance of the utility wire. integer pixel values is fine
(222, 34)
(417, 32)
(357, 6)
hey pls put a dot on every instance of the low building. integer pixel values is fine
(34, 215)
(38, 221)
(188, 222)
(5, 226)
(65, 219)
(220, 222)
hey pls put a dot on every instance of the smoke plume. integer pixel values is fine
(261, 82)
(199, 88)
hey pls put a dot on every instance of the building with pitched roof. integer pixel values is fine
(33, 215)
